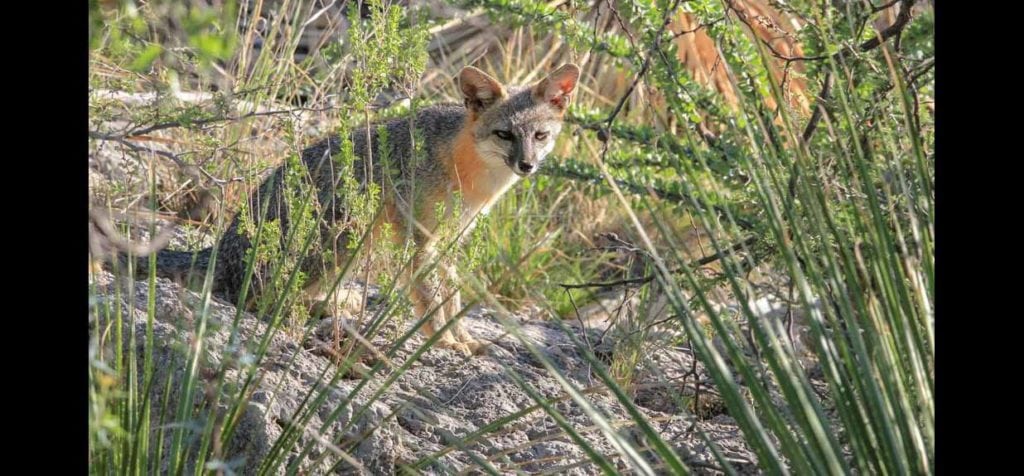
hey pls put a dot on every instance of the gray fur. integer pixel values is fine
(416, 181)
(524, 118)
(445, 121)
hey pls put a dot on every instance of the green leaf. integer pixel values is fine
(146, 58)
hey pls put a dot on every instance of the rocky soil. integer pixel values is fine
(438, 416)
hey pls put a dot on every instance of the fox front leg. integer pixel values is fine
(454, 306)
(426, 295)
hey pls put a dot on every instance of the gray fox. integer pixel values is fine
(473, 152)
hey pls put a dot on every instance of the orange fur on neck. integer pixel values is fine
(467, 169)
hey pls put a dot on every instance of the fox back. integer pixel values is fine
(478, 149)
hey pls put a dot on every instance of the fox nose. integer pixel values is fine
(526, 167)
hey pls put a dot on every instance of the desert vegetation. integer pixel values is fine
(726, 266)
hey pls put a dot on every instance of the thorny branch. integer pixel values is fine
(913, 76)
(647, 189)
(622, 24)
(640, 75)
(819, 109)
(697, 28)
(199, 122)
(646, 279)
(604, 128)
(902, 19)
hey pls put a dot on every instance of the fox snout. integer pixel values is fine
(523, 158)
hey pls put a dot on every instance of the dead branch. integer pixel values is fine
(103, 236)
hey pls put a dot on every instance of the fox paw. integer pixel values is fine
(467, 347)
(475, 347)
(456, 346)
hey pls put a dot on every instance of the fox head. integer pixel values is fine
(517, 126)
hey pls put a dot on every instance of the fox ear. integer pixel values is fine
(479, 90)
(557, 88)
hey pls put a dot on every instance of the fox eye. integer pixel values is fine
(541, 135)
(503, 135)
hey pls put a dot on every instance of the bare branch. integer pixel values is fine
(201, 122)
(107, 237)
